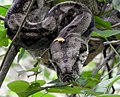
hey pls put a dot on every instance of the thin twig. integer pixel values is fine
(102, 63)
(112, 42)
(108, 68)
(115, 25)
(29, 8)
(4, 7)
(111, 70)
(2, 55)
(113, 49)
(2, 17)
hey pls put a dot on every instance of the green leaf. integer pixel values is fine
(46, 73)
(41, 94)
(91, 82)
(113, 80)
(40, 82)
(2, 28)
(108, 95)
(73, 90)
(3, 38)
(80, 81)
(4, 42)
(20, 55)
(4, 9)
(33, 88)
(3, 31)
(35, 69)
(116, 4)
(101, 23)
(87, 80)
(100, 0)
(66, 89)
(86, 74)
(18, 86)
(117, 36)
(106, 33)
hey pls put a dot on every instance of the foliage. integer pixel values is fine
(116, 4)
(87, 84)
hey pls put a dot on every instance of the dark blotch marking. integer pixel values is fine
(90, 29)
(71, 27)
(78, 6)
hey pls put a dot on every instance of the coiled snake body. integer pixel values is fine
(72, 22)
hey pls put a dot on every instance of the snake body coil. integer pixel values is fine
(70, 20)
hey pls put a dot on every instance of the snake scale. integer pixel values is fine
(64, 29)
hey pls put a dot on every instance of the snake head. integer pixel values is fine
(69, 53)
(66, 57)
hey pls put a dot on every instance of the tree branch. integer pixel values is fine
(115, 42)
(7, 61)
(12, 50)
(102, 63)
(96, 46)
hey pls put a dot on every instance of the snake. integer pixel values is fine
(64, 29)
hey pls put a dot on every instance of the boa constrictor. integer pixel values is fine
(69, 21)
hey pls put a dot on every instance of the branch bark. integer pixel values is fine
(12, 51)
(7, 61)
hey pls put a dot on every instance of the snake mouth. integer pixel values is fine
(68, 78)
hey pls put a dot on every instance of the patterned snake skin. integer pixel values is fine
(70, 21)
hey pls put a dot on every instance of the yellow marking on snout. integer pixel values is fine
(59, 39)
